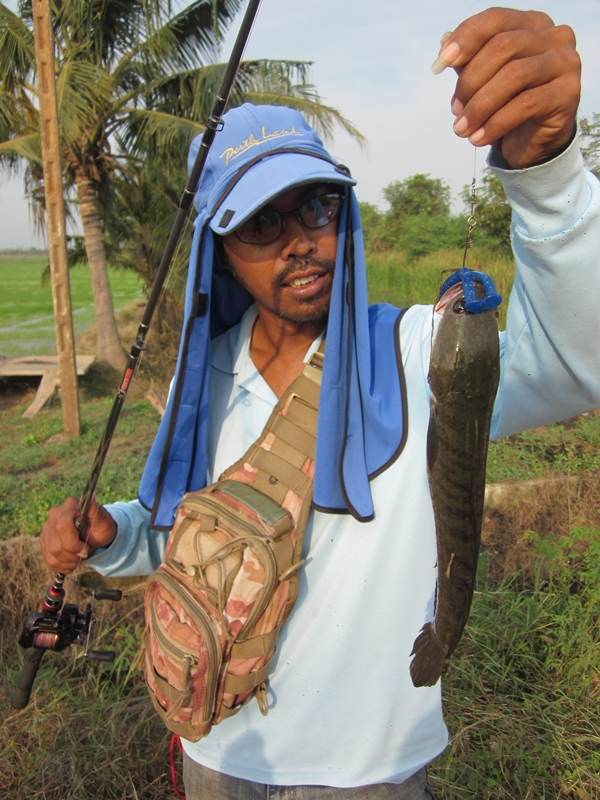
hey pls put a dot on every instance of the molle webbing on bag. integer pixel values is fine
(229, 579)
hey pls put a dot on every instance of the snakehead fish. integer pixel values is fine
(463, 376)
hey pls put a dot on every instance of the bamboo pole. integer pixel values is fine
(61, 290)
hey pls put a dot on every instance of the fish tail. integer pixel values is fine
(429, 654)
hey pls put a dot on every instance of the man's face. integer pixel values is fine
(291, 277)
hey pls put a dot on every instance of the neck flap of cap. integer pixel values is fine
(362, 410)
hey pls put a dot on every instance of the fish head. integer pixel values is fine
(465, 351)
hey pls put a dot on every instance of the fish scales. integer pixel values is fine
(463, 376)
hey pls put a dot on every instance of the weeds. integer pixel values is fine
(521, 693)
(566, 448)
(39, 467)
(551, 508)
(89, 725)
(394, 278)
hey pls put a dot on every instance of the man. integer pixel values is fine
(278, 223)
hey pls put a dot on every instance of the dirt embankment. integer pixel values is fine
(553, 505)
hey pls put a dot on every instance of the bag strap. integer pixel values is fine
(280, 464)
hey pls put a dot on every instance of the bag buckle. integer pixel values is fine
(261, 698)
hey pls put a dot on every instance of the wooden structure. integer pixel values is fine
(57, 247)
(47, 367)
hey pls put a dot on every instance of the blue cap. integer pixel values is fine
(260, 152)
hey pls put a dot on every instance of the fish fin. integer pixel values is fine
(429, 654)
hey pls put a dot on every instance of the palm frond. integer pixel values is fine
(149, 130)
(105, 28)
(27, 146)
(17, 55)
(192, 35)
(282, 76)
(17, 113)
(84, 94)
(36, 199)
(276, 82)
(191, 93)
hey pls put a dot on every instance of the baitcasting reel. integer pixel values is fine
(54, 627)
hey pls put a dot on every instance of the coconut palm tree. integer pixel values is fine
(132, 77)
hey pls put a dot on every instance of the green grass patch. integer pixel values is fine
(522, 692)
(39, 467)
(26, 314)
(563, 448)
(393, 278)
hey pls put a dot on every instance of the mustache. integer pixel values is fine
(298, 263)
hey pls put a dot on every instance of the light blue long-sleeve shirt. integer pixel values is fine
(346, 712)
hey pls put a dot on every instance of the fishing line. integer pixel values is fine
(471, 219)
(471, 225)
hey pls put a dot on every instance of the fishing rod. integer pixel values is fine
(55, 626)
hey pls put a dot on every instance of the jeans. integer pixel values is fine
(202, 783)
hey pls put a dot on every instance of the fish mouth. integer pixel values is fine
(448, 297)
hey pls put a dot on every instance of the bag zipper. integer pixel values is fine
(172, 649)
(199, 616)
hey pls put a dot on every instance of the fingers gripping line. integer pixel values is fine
(518, 83)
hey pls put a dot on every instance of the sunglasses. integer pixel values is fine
(267, 225)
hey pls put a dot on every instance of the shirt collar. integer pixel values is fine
(232, 355)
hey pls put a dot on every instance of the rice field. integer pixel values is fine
(26, 315)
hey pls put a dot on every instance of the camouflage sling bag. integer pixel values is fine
(229, 577)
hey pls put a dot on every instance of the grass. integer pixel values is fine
(521, 694)
(89, 731)
(566, 448)
(392, 278)
(26, 316)
(39, 467)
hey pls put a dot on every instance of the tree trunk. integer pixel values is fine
(108, 345)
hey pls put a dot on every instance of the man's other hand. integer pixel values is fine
(62, 548)
(518, 84)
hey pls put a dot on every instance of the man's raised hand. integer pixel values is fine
(518, 83)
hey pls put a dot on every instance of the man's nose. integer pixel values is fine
(296, 239)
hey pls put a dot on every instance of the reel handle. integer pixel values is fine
(21, 693)
(108, 594)
(101, 655)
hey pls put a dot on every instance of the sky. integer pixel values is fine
(373, 64)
